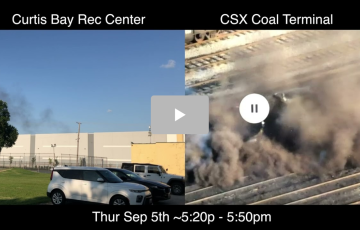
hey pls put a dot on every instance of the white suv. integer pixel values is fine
(95, 185)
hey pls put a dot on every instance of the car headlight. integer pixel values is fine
(137, 191)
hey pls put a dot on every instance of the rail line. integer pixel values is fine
(300, 61)
(311, 191)
(330, 197)
(280, 190)
(225, 34)
(253, 56)
(211, 190)
(255, 48)
(194, 187)
(305, 76)
(213, 199)
(206, 61)
(355, 203)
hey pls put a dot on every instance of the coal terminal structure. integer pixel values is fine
(302, 154)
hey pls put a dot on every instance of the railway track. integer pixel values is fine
(301, 61)
(230, 42)
(254, 53)
(305, 76)
(273, 43)
(292, 189)
(206, 61)
(355, 203)
(256, 48)
(223, 35)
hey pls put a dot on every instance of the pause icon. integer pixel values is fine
(249, 108)
(252, 108)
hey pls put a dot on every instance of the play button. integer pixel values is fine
(191, 114)
(178, 114)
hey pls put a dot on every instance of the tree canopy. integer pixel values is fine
(8, 133)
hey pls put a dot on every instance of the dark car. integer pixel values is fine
(159, 191)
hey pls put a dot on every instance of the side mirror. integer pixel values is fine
(100, 180)
(159, 173)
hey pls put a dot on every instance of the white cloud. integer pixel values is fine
(109, 110)
(170, 64)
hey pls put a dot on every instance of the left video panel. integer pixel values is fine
(75, 107)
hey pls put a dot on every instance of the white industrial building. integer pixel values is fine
(98, 149)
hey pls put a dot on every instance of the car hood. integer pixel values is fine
(152, 183)
(175, 176)
(128, 185)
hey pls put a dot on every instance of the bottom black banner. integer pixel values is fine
(249, 216)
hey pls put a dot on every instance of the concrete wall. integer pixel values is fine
(170, 155)
(20, 151)
(22, 145)
(65, 144)
(117, 146)
(98, 148)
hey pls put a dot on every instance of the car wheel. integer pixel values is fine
(58, 197)
(118, 200)
(177, 188)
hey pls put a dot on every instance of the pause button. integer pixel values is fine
(254, 108)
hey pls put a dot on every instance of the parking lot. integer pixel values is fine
(175, 200)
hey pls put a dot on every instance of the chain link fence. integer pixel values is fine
(45, 161)
(23, 160)
(73, 160)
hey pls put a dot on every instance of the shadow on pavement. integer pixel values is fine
(175, 200)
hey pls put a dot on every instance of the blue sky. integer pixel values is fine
(104, 79)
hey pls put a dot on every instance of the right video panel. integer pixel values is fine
(284, 117)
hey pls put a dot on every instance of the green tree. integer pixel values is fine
(8, 133)
(11, 160)
(82, 162)
(50, 161)
(33, 160)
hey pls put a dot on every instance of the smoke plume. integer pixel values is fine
(313, 133)
(21, 114)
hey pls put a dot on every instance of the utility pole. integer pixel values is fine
(150, 133)
(78, 139)
(53, 146)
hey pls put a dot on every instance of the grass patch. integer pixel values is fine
(23, 187)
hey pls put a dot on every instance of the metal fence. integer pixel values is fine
(26, 160)
(72, 160)
(46, 160)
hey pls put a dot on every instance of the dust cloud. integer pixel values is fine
(21, 114)
(310, 133)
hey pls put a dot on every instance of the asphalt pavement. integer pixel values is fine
(174, 200)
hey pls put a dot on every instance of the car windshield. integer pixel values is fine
(132, 175)
(110, 177)
(162, 169)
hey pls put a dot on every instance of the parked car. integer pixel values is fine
(157, 173)
(95, 185)
(159, 191)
